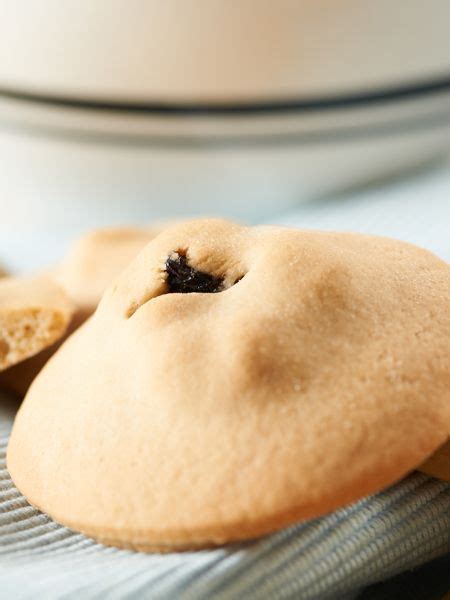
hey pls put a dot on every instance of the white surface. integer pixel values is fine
(220, 49)
(415, 208)
(53, 181)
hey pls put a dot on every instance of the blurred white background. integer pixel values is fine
(257, 110)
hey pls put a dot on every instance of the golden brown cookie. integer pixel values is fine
(236, 380)
(93, 261)
(34, 313)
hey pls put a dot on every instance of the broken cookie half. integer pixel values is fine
(34, 313)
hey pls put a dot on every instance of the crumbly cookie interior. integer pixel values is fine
(23, 333)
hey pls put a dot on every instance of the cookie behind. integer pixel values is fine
(95, 260)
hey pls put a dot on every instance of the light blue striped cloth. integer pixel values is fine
(330, 557)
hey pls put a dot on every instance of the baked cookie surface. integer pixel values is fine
(34, 313)
(310, 370)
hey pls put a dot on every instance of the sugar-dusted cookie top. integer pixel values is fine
(34, 313)
(235, 380)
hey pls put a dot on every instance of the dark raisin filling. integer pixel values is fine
(183, 279)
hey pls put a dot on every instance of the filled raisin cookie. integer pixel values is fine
(92, 263)
(236, 380)
(34, 313)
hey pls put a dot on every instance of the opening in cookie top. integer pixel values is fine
(182, 278)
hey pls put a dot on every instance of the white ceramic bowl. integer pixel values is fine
(220, 50)
(113, 111)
